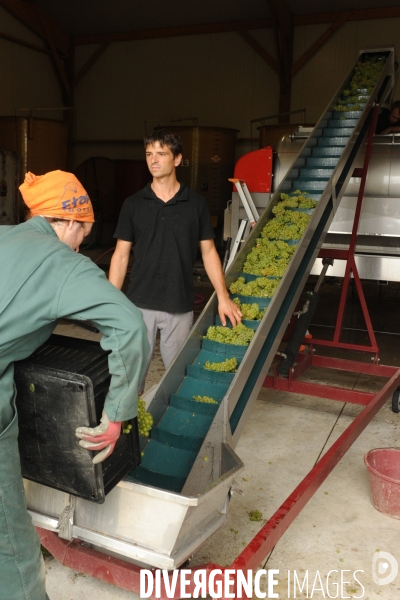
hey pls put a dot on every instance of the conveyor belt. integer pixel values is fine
(179, 495)
(183, 453)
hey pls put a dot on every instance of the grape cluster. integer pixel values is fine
(126, 427)
(145, 420)
(226, 366)
(255, 515)
(297, 200)
(205, 399)
(240, 335)
(271, 255)
(268, 258)
(250, 312)
(260, 287)
(289, 225)
(365, 76)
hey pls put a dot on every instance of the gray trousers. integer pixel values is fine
(174, 329)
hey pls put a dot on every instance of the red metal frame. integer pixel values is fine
(303, 361)
(351, 267)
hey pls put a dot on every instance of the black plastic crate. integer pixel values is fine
(60, 387)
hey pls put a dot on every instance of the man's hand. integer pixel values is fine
(228, 308)
(213, 267)
(103, 437)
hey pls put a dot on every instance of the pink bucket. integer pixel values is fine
(383, 466)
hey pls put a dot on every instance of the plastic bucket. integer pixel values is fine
(383, 466)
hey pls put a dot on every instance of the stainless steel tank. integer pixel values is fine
(384, 168)
(273, 135)
(208, 162)
(9, 181)
(378, 241)
(42, 144)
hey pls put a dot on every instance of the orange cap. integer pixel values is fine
(57, 194)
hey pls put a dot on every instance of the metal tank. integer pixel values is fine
(109, 182)
(42, 144)
(208, 162)
(9, 181)
(378, 241)
(272, 135)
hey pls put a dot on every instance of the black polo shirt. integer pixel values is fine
(165, 237)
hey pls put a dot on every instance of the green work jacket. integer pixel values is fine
(44, 280)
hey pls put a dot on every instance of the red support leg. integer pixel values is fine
(364, 307)
(256, 551)
(350, 259)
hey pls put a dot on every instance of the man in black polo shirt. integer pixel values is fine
(167, 222)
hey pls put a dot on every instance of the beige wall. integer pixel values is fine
(217, 78)
(316, 83)
(27, 78)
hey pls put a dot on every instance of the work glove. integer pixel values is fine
(103, 437)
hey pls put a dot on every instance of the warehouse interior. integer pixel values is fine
(83, 83)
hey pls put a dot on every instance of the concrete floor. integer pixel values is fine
(339, 529)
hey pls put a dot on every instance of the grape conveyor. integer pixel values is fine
(179, 494)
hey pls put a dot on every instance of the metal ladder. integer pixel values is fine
(245, 225)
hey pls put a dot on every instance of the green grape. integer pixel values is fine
(250, 312)
(260, 287)
(268, 258)
(255, 515)
(240, 335)
(365, 76)
(226, 366)
(205, 399)
(257, 263)
(288, 226)
(298, 199)
(126, 427)
(145, 420)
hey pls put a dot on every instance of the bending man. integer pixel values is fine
(43, 279)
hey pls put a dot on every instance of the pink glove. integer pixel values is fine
(104, 436)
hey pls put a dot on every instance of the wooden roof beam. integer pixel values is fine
(282, 16)
(344, 17)
(96, 54)
(149, 34)
(58, 65)
(365, 14)
(284, 36)
(32, 16)
(14, 40)
(259, 49)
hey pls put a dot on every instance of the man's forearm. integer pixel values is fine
(212, 264)
(117, 272)
(213, 267)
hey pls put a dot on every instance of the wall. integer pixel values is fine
(316, 83)
(217, 78)
(27, 78)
